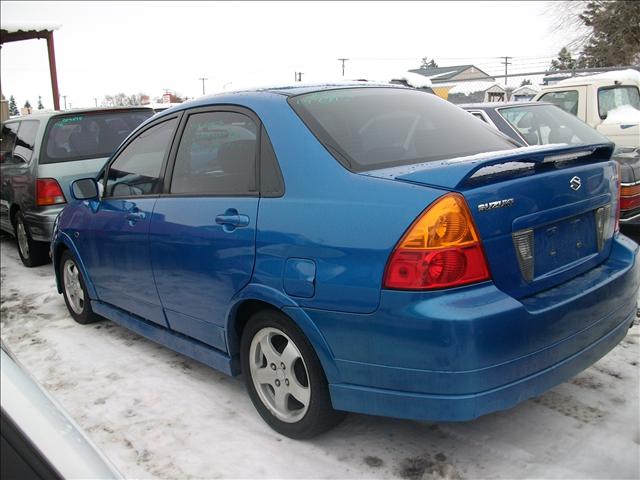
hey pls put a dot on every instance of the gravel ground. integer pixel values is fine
(158, 414)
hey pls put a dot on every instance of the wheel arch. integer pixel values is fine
(62, 243)
(13, 212)
(258, 297)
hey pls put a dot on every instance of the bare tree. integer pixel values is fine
(565, 18)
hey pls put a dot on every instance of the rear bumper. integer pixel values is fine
(455, 356)
(417, 406)
(40, 222)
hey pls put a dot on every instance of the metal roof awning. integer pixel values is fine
(29, 31)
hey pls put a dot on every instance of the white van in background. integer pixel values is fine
(609, 102)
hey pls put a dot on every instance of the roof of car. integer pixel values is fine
(493, 105)
(285, 90)
(298, 89)
(39, 115)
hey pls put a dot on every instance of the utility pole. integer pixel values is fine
(343, 60)
(96, 100)
(203, 80)
(65, 101)
(506, 63)
(298, 76)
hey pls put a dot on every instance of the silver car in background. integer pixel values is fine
(41, 155)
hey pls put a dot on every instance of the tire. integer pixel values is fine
(32, 253)
(293, 400)
(74, 290)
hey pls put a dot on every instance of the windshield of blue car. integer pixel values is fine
(88, 135)
(546, 124)
(377, 127)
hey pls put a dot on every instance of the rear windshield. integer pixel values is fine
(370, 128)
(88, 135)
(545, 124)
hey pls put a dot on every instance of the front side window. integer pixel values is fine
(217, 155)
(89, 135)
(567, 101)
(8, 141)
(25, 141)
(613, 97)
(369, 128)
(547, 124)
(136, 171)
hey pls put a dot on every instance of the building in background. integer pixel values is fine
(524, 93)
(463, 84)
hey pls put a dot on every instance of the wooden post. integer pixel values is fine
(52, 69)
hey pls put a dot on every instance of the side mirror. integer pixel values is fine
(85, 189)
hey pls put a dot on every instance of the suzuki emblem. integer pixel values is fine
(575, 183)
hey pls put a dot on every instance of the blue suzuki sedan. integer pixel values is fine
(361, 248)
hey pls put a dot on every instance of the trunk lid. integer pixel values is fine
(68, 172)
(544, 214)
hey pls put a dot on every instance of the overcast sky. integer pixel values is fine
(110, 47)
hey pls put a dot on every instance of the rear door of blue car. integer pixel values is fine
(203, 229)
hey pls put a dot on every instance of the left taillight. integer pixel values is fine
(440, 250)
(48, 192)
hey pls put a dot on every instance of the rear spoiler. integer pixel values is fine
(453, 173)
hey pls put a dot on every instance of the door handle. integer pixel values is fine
(232, 219)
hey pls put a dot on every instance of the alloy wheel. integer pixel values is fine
(72, 287)
(279, 374)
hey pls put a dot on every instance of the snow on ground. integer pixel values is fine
(158, 414)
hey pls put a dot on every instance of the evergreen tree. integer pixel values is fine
(564, 61)
(615, 36)
(13, 108)
(426, 63)
(27, 104)
(524, 82)
(40, 106)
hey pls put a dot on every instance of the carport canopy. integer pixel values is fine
(29, 31)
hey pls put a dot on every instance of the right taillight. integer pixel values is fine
(629, 196)
(441, 249)
(48, 192)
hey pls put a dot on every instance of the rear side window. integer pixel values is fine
(217, 155)
(89, 135)
(8, 142)
(369, 128)
(611, 98)
(136, 171)
(25, 141)
(567, 101)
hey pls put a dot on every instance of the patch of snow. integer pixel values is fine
(628, 76)
(158, 414)
(414, 80)
(29, 27)
(623, 114)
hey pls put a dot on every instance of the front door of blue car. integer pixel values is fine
(116, 245)
(203, 230)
